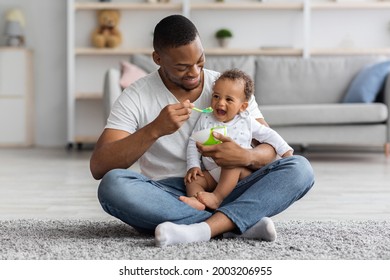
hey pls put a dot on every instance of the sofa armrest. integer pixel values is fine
(111, 90)
(386, 100)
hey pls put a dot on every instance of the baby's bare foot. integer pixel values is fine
(209, 199)
(193, 202)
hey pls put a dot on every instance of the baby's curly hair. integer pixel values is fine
(236, 74)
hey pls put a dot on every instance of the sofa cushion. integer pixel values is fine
(367, 83)
(219, 63)
(295, 80)
(358, 134)
(145, 62)
(323, 114)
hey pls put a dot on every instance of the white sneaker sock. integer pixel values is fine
(263, 230)
(169, 233)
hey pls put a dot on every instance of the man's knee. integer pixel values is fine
(112, 179)
(303, 171)
(109, 180)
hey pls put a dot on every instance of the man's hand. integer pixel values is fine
(172, 117)
(228, 154)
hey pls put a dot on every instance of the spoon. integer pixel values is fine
(205, 110)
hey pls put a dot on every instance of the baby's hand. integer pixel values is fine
(191, 174)
(287, 154)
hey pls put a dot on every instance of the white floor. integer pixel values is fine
(56, 184)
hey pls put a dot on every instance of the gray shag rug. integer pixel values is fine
(114, 240)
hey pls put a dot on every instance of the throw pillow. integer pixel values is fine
(129, 74)
(367, 84)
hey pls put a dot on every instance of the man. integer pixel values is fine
(151, 123)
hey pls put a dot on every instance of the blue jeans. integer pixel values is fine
(144, 203)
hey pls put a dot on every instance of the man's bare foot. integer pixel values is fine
(209, 199)
(193, 202)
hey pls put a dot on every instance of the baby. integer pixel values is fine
(231, 93)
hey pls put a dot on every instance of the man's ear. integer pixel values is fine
(244, 105)
(156, 58)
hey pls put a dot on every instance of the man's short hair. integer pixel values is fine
(173, 31)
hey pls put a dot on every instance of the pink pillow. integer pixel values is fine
(130, 73)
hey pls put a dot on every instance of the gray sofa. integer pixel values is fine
(302, 98)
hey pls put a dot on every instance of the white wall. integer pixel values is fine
(46, 36)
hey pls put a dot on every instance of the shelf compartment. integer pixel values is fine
(127, 6)
(351, 51)
(246, 5)
(85, 139)
(212, 51)
(258, 51)
(350, 5)
(114, 51)
(88, 95)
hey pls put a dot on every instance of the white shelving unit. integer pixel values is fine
(87, 65)
(16, 97)
(340, 12)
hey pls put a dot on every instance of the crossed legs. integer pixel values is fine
(263, 194)
(147, 205)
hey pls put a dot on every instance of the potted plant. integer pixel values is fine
(223, 36)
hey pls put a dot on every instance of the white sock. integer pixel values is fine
(263, 230)
(169, 233)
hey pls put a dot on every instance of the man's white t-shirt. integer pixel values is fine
(142, 102)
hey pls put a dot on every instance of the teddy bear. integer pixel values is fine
(107, 34)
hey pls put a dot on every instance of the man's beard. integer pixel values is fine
(181, 85)
(188, 89)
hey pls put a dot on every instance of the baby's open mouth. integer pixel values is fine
(221, 112)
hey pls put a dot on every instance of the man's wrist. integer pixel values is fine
(260, 156)
(249, 158)
(153, 131)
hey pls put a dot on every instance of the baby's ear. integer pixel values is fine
(244, 105)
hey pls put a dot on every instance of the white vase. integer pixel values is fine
(223, 42)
